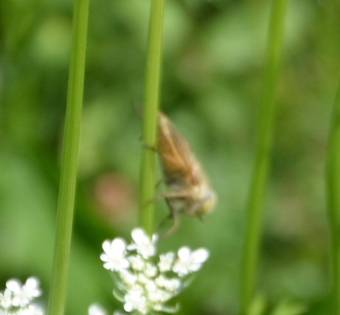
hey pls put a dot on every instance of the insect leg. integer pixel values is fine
(173, 194)
(168, 195)
(175, 223)
(174, 215)
(149, 146)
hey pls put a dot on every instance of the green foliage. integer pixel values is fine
(259, 306)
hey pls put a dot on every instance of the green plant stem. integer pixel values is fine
(262, 155)
(69, 160)
(333, 201)
(150, 108)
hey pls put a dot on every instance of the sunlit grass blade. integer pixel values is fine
(150, 109)
(333, 201)
(262, 155)
(69, 160)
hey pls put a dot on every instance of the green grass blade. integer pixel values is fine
(150, 108)
(262, 155)
(333, 201)
(69, 160)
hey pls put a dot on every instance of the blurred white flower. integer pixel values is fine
(30, 310)
(17, 298)
(158, 297)
(188, 261)
(6, 299)
(166, 261)
(23, 294)
(114, 255)
(128, 278)
(172, 285)
(150, 270)
(135, 300)
(160, 281)
(137, 262)
(96, 309)
(142, 243)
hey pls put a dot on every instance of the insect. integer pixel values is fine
(189, 190)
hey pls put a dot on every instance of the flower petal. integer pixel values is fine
(199, 256)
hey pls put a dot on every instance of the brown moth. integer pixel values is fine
(189, 190)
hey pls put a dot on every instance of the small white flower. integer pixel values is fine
(166, 261)
(23, 294)
(172, 285)
(142, 278)
(30, 310)
(189, 261)
(96, 309)
(135, 300)
(158, 297)
(150, 287)
(143, 244)
(128, 278)
(6, 299)
(150, 270)
(137, 262)
(160, 281)
(114, 255)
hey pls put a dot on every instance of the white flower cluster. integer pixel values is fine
(143, 285)
(17, 298)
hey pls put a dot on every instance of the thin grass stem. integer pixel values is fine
(333, 201)
(69, 160)
(150, 109)
(262, 155)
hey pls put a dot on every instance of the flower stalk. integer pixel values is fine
(333, 201)
(262, 155)
(69, 160)
(150, 109)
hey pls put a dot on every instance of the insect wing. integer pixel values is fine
(175, 154)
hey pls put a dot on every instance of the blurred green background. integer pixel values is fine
(211, 88)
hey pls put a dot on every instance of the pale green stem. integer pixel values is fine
(262, 155)
(150, 109)
(69, 160)
(333, 201)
